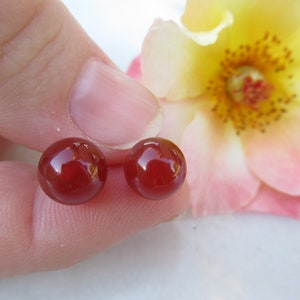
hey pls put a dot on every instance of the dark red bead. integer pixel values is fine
(72, 171)
(155, 168)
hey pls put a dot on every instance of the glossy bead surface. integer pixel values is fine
(155, 168)
(72, 171)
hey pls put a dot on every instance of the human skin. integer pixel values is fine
(56, 82)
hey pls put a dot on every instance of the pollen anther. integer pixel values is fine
(247, 89)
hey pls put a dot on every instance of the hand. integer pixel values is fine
(54, 83)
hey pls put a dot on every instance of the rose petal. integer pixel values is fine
(177, 116)
(274, 202)
(219, 178)
(173, 65)
(274, 156)
(246, 11)
(134, 69)
(203, 15)
(210, 37)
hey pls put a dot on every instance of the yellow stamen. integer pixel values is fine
(244, 92)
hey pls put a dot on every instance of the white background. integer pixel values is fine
(232, 257)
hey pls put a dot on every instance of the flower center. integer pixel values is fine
(252, 87)
(247, 85)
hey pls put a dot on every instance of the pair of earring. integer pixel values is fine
(74, 170)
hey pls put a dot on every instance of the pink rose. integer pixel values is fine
(228, 80)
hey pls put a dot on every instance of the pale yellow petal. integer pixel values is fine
(292, 43)
(202, 15)
(210, 37)
(173, 65)
(251, 19)
(279, 17)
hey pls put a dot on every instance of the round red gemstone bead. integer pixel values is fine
(72, 170)
(155, 168)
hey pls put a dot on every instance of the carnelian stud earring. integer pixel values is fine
(155, 168)
(72, 170)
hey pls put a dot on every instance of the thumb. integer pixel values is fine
(55, 82)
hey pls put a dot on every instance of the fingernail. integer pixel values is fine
(112, 108)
